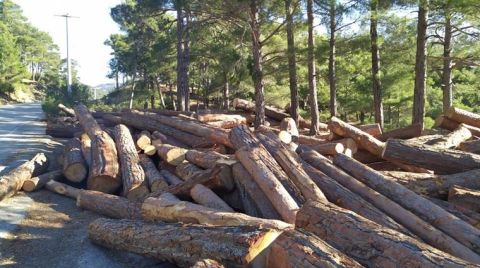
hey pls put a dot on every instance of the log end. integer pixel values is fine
(103, 183)
(150, 150)
(138, 193)
(260, 244)
(29, 185)
(76, 172)
(175, 156)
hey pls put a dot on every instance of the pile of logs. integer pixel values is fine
(207, 190)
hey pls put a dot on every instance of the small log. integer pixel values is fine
(168, 139)
(227, 124)
(464, 197)
(171, 178)
(156, 182)
(299, 248)
(453, 139)
(386, 166)
(168, 208)
(12, 182)
(133, 178)
(108, 205)
(66, 110)
(371, 244)
(143, 139)
(447, 123)
(428, 211)
(207, 117)
(445, 161)
(303, 139)
(463, 116)
(373, 129)
(204, 159)
(288, 125)
(171, 154)
(74, 166)
(407, 132)
(206, 197)
(223, 182)
(86, 148)
(329, 148)
(150, 150)
(254, 200)
(36, 183)
(465, 214)
(62, 189)
(472, 146)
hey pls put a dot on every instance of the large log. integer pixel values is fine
(435, 185)
(445, 161)
(209, 117)
(447, 123)
(36, 183)
(206, 197)
(86, 148)
(408, 132)
(298, 248)
(401, 215)
(472, 146)
(133, 178)
(290, 162)
(156, 182)
(12, 182)
(452, 139)
(168, 139)
(108, 205)
(467, 215)
(230, 245)
(371, 244)
(464, 197)
(205, 159)
(254, 200)
(170, 177)
(104, 170)
(62, 188)
(74, 165)
(62, 131)
(223, 182)
(428, 211)
(171, 154)
(366, 157)
(170, 209)
(463, 116)
(266, 180)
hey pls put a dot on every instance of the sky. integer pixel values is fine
(86, 33)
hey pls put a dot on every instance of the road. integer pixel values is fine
(43, 229)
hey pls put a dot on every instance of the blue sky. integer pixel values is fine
(87, 33)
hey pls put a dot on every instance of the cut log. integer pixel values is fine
(366, 157)
(104, 169)
(234, 245)
(221, 117)
(266, 180)
(255, 203)
(303, 139)
(36, 183)
(143, 139)
(371, 244)
(441, 161)
(206, 197)
(171, 178)
(401, 215)
(62, 188)
(467, 215)
(204, 159)
(171, 154)
(113, 119)
(156, 182)
(12, 182)
(464, 197)
(373, 129)
(228, 124)
(207, 263)
(74, 166)
(290, 162)
(62, 131)
(150, 150)
(86, 148)
(428, 211)
(133, 178)
(385, 166)
(435, 185)
(66, 110)
(472, 146)
(288, 124)
(329, 148)
(170, 209)
(447, 123)
(462, 116)
(342, 197)
(108, 205)
(407, 132)
(453, 139)
(223, 182)
(298, 248)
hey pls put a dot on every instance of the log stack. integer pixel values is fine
(216, 193)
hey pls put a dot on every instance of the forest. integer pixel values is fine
(390, 62)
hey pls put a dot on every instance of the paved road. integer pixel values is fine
(42, 229)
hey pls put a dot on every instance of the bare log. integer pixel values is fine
(205, 159)
(36, 183)
(65, 109)
(86, 148)
(463, 116)
(447, 123)
(223, 182)
(288, 124)
(171, 178)
(108, 205)
(472, 146)
(156, 182)
(171, 154)
(207, 263)
(206, 197)
(62, 131)
(407, 132)
(465, 214)
(143, 139)
(464, 197)
(168, 140)
(63, 189)
(452, 139)
(74, 166)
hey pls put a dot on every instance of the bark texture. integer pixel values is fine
(108, 205)
(75, 168)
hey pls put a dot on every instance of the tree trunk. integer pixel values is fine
(472, 146)
(74, 166)
(447, 123)
(428, 211)
(312, 83)
(133, 178)
(66, 110)
(257, 73)
(464, 197)
(132, 94)
(226, 92)
(111, 206)
(462, 116)
(181, 83)
(332, 79)
(371, 244)
(156, 182)
(63, 189)
(299, 248)
(86, 148)
(445, 161)
(238, 245)
(12, 182)
(36, 183)
(465, 214)
(447, 62)
(205, 159)
(420, 64)
(452, 139)
(292, 65)
(223, 181)
(143, 139)
(206, 197)
(104, 169)
(186, 58)
(376, 83)
(171, 154)
(209, 117)
(407, 132)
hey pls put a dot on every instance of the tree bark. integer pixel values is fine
(428, 211)
(299, 248)
(292, 65)
(257, 73)
(156, 182)
(452, 139)
(86, 148)
(447, 61)
(36, 183)
(205, 159)
(332, 79)
(312, 83)
(462, 116)
(467, 215)
(440, 161)
(371, 244)
(63, 189)
(447, 123)
(420, 64)
(464, 197)
(158, 136)
(133, 178)
(74, 166)
(206, 197)
(62, 131)
(170, 177)
(108, 205)
(237, 245)
(408, 132)
(472, 146)
(209, 117)
(171, 154)
(12, 182)
(374, 48)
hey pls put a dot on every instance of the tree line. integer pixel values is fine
(364, 60)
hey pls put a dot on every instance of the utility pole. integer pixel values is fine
(69, 64)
